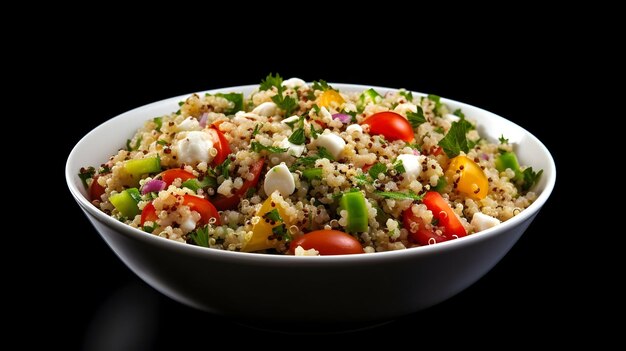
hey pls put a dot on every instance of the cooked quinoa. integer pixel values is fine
(259, 173)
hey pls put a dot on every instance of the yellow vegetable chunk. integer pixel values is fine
(467, 177)
(262, 230)
(329, 97)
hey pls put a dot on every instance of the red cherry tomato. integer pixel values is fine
(228, 203)
(328, 242)
(95, 190)
(220, 143)
(171, 174)
(421, 235)
(204, 207)
(391, 125)
(444, 214)
(148, 214)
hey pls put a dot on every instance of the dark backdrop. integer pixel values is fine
(103, 303)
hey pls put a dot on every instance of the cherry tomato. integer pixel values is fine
(200, 205)
(329, 97)
(444, 214)
(228, 203)
(220, 143)
(328, 242)
(95, 190)
(204, 207)
(148, 214)
(471, 179)
(391, 125)
(171, 174)
(420, 234)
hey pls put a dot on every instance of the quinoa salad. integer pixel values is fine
(304, 169)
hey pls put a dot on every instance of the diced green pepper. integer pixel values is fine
(370, 95)
(126, 202)
(354, 204)
(312, 173)
(507, 160)
(195, 184)
(137, 168)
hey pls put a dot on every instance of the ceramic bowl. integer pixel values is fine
(346, 289)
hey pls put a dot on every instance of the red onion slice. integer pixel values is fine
(342, 117)
(154, 185)
(203, 119)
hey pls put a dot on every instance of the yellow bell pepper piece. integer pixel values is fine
(329, 97)
(467, 177)
(262, 230)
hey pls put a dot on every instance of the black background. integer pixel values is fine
(93, 301)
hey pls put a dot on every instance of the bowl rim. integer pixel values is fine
(194, 250)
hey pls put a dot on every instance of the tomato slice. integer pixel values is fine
(421, 235)
(95, 190)
(171, 174)
(444, 214)
(228, 203)
(220, 143)
(148, 214)
(328, 242)
(202, 206)
(391, 125)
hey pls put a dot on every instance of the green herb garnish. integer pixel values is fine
(399, 196)
(86, 173)
(201, 236)
(416, 118)
(376, 169)
(456, 140)
(258, 147)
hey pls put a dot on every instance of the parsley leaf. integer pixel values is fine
(361, 179)
(134, 147)
(161, 142)
(286, 103)
(297, 137)
(86, 173)
(224, 168)
(530, 178)
(399, 196)
(321, 85)
(315, 132)
(323, 153)
(256, 129)
(236, 99)
(201, 236)
(258, 147)
(273, 216)
(281, 232)
(439, 130)
(407, 95)
(459, 113)
(416, 118)
(269, 82)
(399, 167)
(159, 123)
(503, 140)
(456, 140)
(376, 169)
(437, 100)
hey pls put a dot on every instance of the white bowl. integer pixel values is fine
(353, 288)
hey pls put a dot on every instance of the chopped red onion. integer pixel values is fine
(484, 157)
(154, 185)
(203, 119)
(342, 117)
(416, 152)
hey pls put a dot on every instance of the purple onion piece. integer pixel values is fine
(416, 152)
(154, 185)
(203, 119)
(345, 119)
(484, 157)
